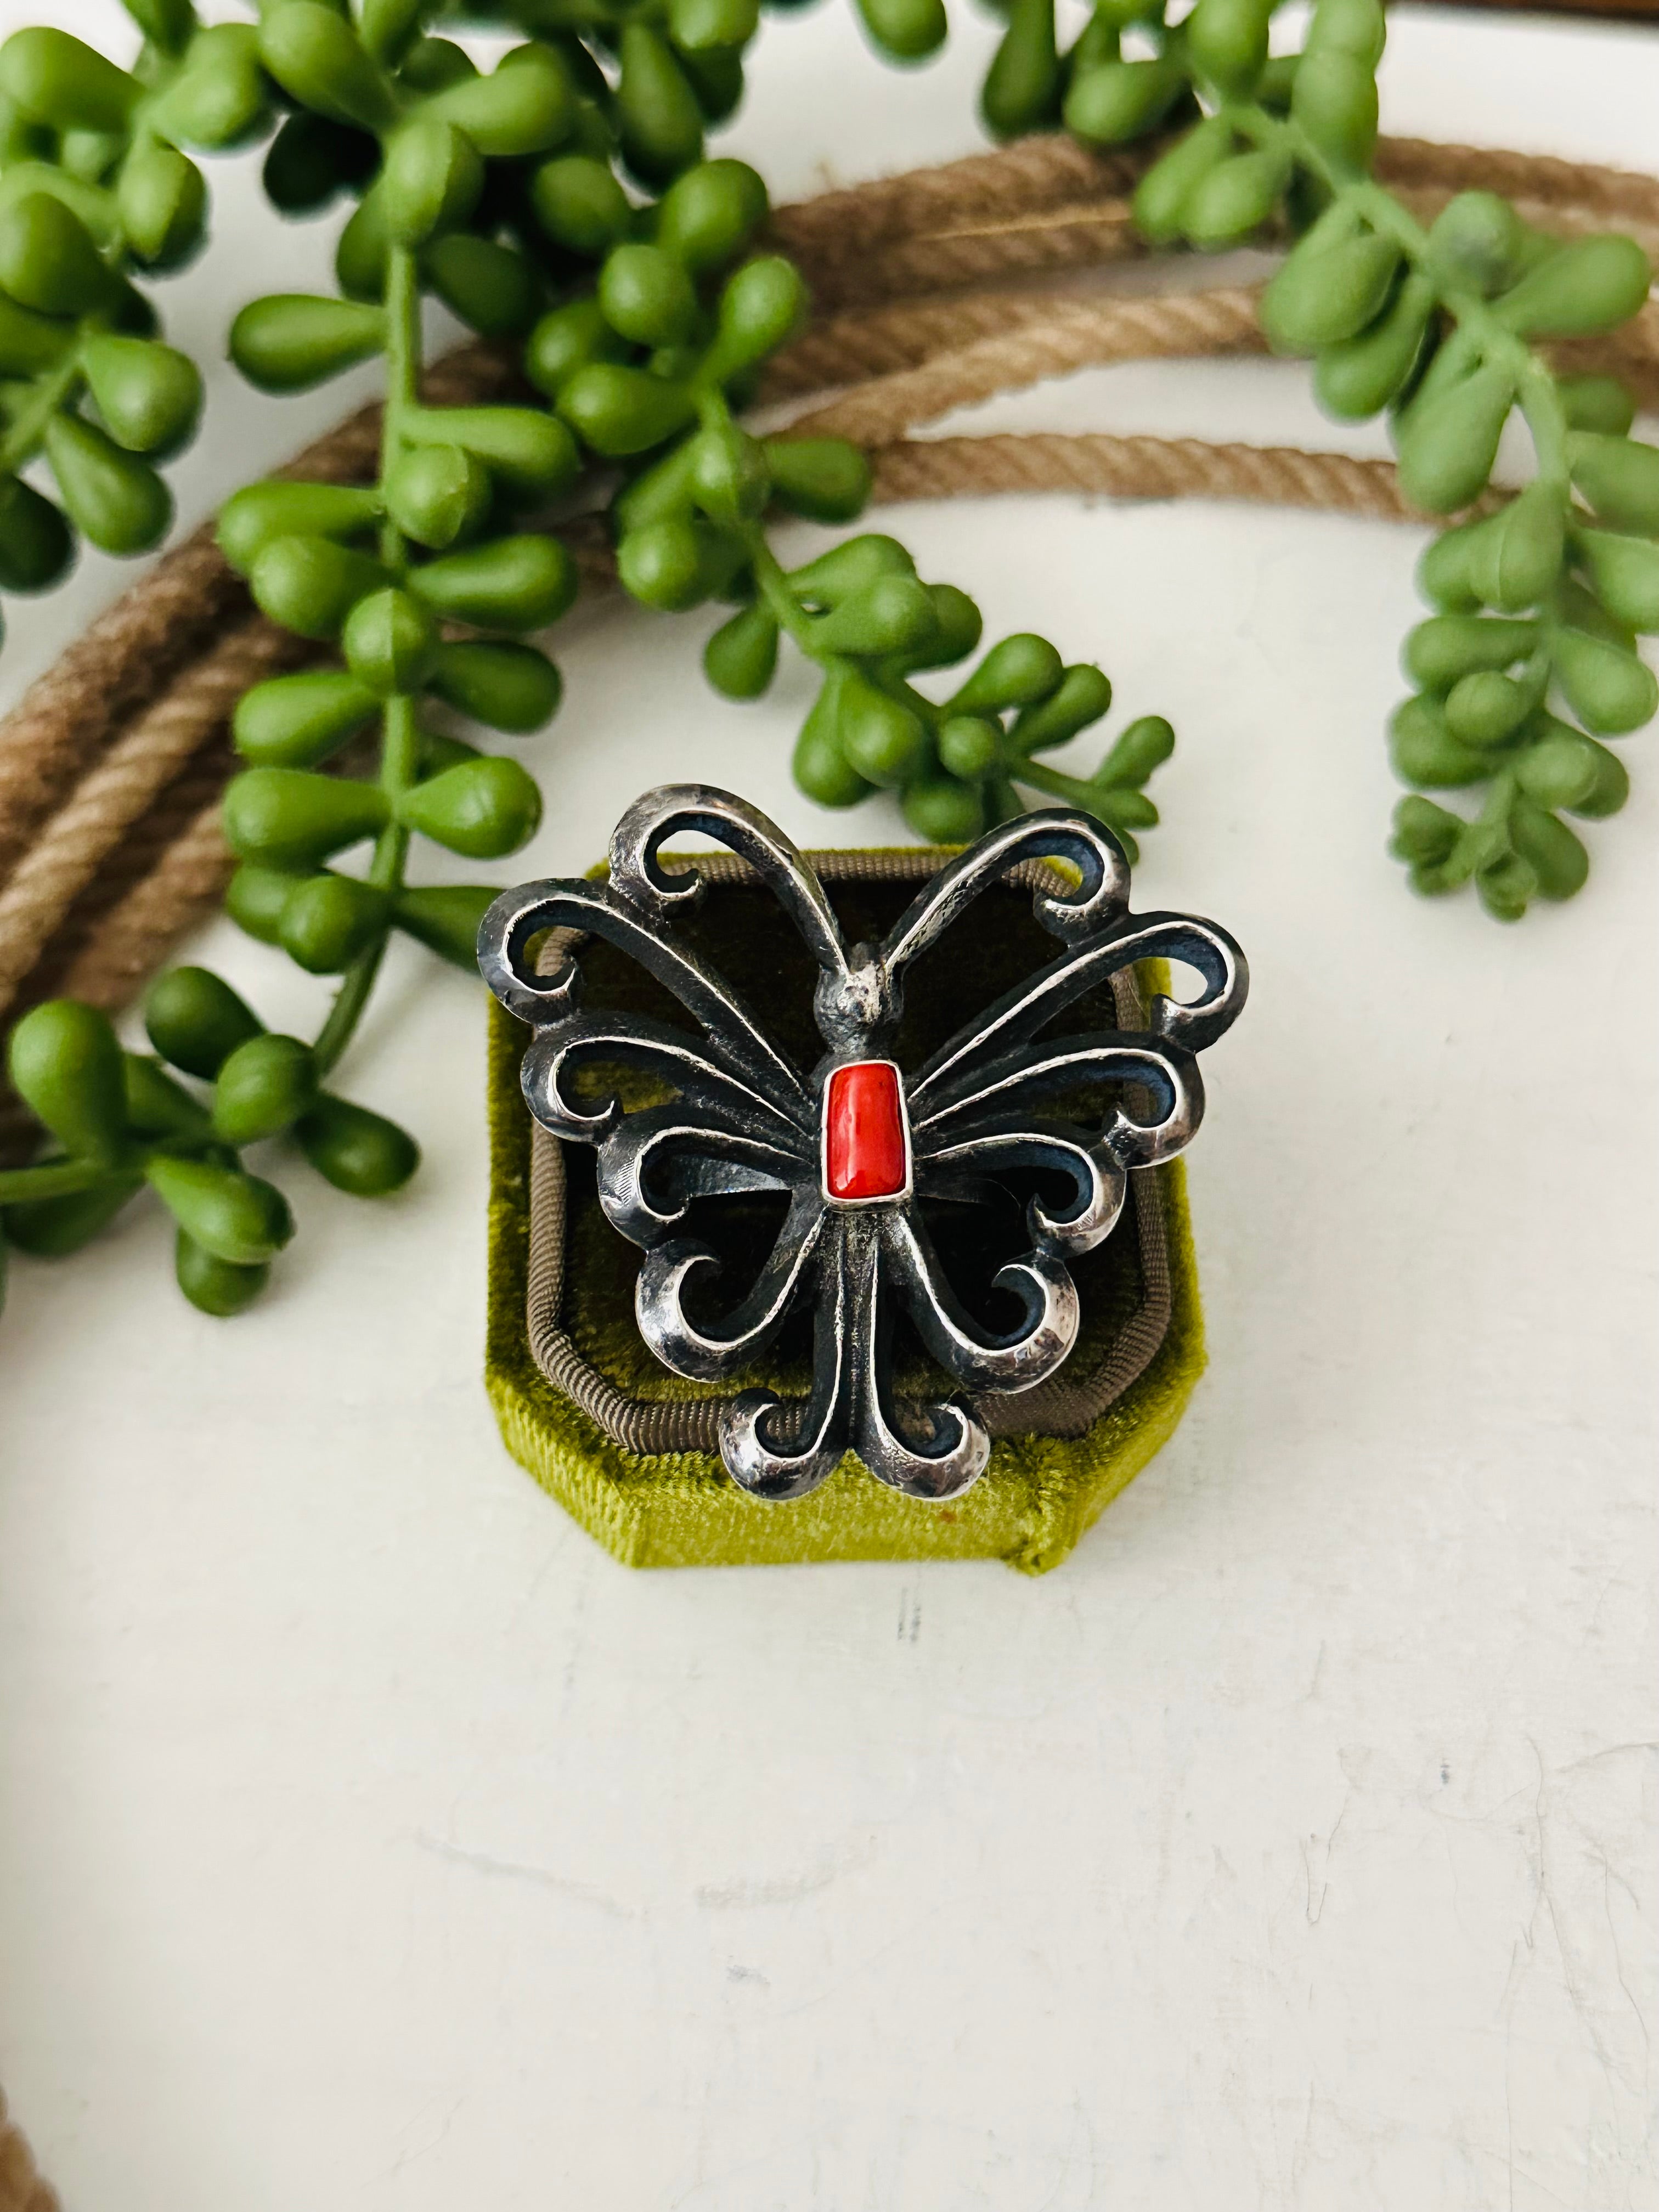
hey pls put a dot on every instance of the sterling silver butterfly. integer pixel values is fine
(857, 1140)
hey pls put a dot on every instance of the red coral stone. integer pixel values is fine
(864, 1133)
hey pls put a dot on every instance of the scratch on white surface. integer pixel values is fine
(1553, 1907)
(581, 1602)
(530, 1597)
(1317, 1860)
(1587, 1950)
(1079, 2167)
(910, 1615)
(1567, 1952)
(1509, 2064)
(586, 1892)
(1609, 1877)
(1299, 2153)
(1610, 1751)
(1610, 1582)
(745, 1890)
(411, 2154)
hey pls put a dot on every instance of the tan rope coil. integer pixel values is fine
(1050, 170)
(66, 716)
(1631, 354)
(129, 653)
(846, 349)
(122, 788)
(1039, 243)
(857, 347)
(1611, 196)
(183, 888)
(1046, 204)
(1137, 468)
(1069, 335)
(1040, 172)
(870, 342)
(1097, 234)
(127, 863)
(21, 2188)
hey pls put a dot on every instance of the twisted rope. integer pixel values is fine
(21, 2188)
(1035, 244)
(1054, 338)
(183, 887)
(1631, 354)
(855, 348)
(123, 786)
(1137, 468)
(118, 664)
(1097, 235)
(1031, 174)
(1050, 170)
(1045, 204)
(1607, 195)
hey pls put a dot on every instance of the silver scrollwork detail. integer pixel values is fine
(742, 1117)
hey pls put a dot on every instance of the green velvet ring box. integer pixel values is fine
(629, 1449)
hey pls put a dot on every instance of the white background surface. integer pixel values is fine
(369, 1840)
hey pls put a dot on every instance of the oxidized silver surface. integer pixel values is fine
(745, 1117)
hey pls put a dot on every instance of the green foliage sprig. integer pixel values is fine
(382, 570)
(860, 613)
(644, 322)
(647, 369)
(98, 193)
(122, 1120)
(97, 189)
(523, 199)
(1538, 602)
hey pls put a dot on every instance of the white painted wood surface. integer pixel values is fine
(368, 1839)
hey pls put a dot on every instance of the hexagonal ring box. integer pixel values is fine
(887, 1253)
